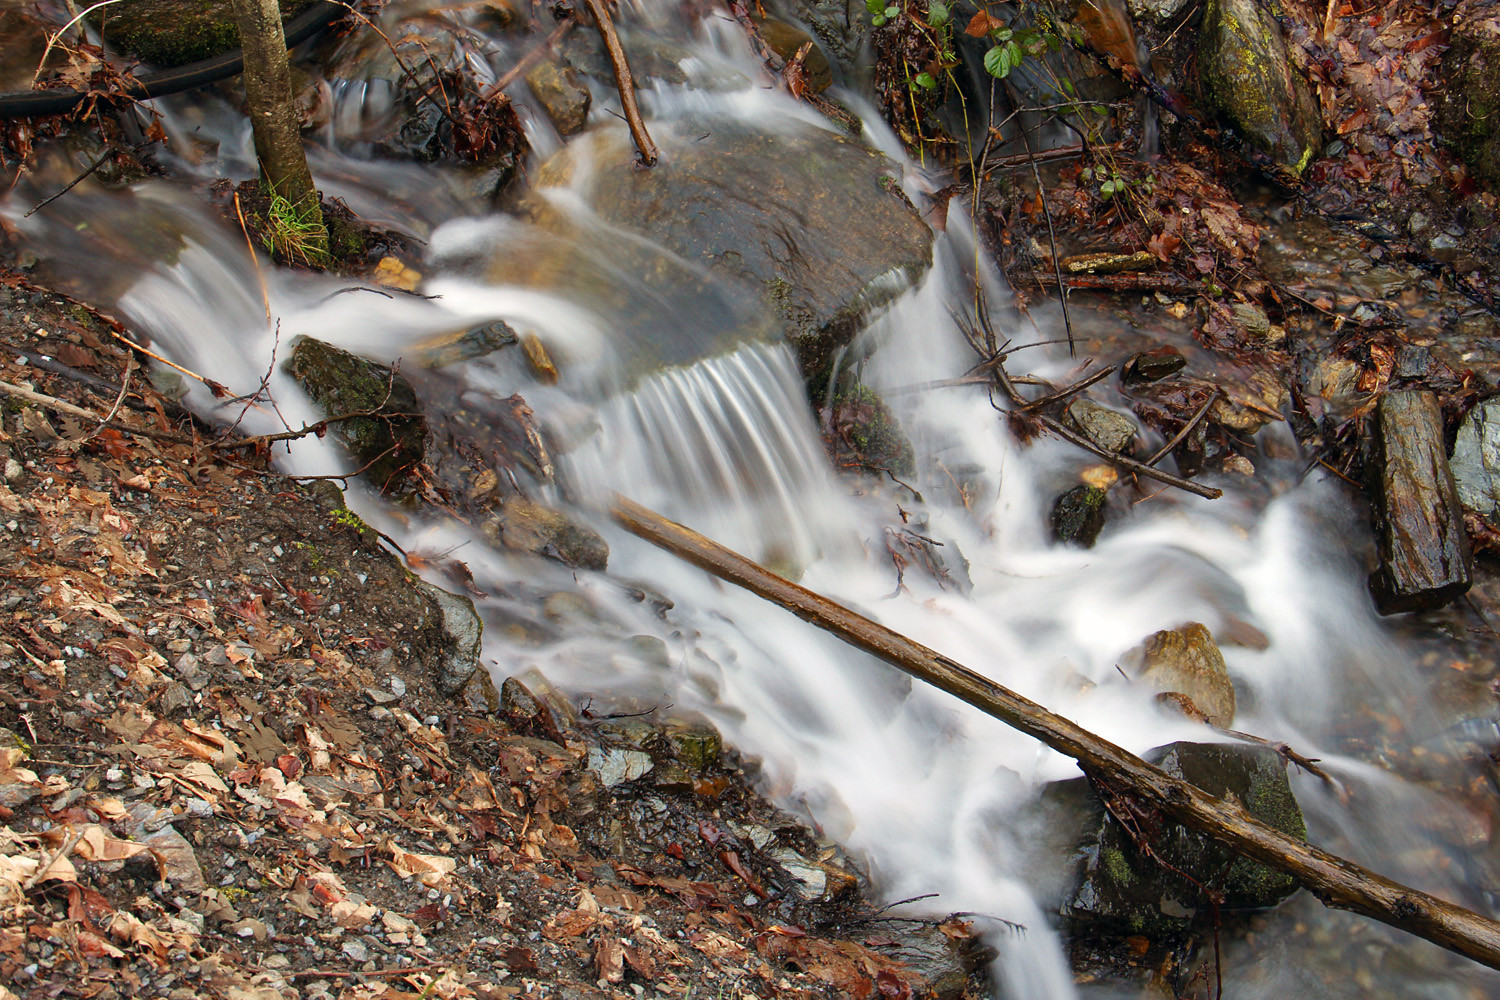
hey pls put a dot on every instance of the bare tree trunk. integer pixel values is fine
(268, 96)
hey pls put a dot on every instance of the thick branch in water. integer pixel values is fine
(1337, 882)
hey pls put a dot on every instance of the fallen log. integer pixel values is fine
(1419, 524)
(1337, 882)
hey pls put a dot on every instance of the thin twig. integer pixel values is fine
(265, 295)
(302, 432)
(1041, 192)
(75, 181)
(1071, 390)
(124, 388)
(58, 855)
(217, 388)
(531, 58)
(645, 148)
(1187, 428)
(1140, 468)
(61, 406)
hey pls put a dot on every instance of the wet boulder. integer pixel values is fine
(524, 526)
(463, 632)
(1476, 460)
(1250, 82)
(787, 40)
(1118, 889)
(1423, 550)
(808, 224)
(388, 435)
(1186, 661)
(1469, 110)
(843, 26)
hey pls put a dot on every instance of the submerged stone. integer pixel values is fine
(1120, 890)
(562, 95)
(801, 222)
(1154, 365)
(1249, 80)
(520, 524)
(1187, 661)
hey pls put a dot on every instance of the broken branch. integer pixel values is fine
(1339, 883)
(624, 83)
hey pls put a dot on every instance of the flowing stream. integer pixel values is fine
(926, 791)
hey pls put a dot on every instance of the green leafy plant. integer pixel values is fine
(296, 232)
(882, 13)
(1011, 46)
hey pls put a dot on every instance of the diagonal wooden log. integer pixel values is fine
(1339, 883)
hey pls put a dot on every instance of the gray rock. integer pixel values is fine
(1187, 661)
(617, 765)
(1476, 460)
(1109, 429)
(1117, 889)
(465, 632)
(1156, 11)
(1250, 81)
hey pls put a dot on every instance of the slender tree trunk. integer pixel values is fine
(268, 96)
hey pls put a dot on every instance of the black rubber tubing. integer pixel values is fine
(36, 103)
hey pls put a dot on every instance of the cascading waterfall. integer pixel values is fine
(924, 789)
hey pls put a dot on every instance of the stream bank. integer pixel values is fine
(1227, 306)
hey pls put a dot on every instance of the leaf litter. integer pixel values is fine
(199, 796)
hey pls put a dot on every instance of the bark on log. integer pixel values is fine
(1337, 882)
(268, 97)
(1424, 550)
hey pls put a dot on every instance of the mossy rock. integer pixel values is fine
(175, 32)
(1469, 112)
(1118, 890)
(391, 438)
(1249, 81)
(866, 434)
(1078, 516)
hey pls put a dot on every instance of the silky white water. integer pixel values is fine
(923, 789)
